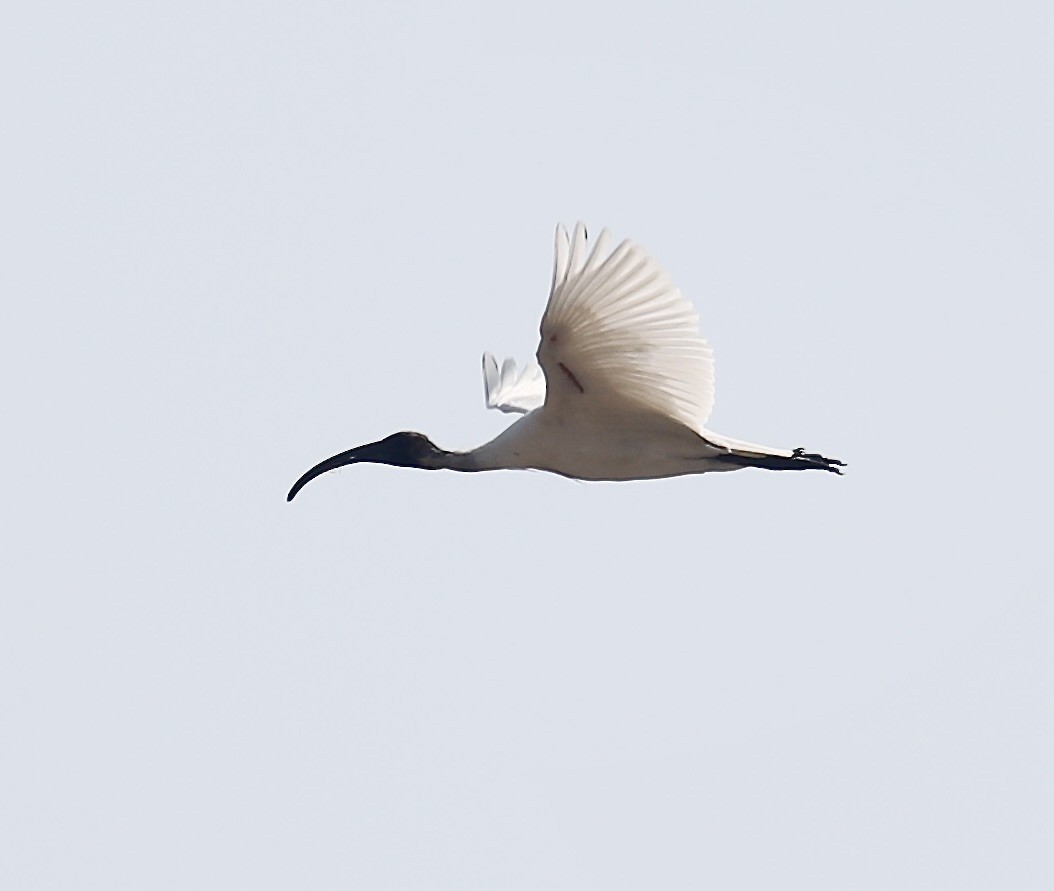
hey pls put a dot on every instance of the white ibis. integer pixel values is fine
(624, 387)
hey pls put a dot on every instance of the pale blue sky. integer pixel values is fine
(241, 237)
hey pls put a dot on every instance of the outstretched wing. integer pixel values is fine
(508, 391)
(618, 336)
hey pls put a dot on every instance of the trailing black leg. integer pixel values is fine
(798, 460)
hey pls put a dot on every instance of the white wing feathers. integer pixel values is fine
(508, 391)
(618, 335)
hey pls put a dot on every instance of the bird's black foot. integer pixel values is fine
(819, 461)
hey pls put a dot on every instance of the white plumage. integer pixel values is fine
(511, 391)
(618, 320)
(623, 390)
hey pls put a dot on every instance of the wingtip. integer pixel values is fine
(490, 378)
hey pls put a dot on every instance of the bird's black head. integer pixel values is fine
(405, 449)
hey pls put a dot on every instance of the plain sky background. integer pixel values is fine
(239, 237)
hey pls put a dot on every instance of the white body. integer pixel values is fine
(632, 447)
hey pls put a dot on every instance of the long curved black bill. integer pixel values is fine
(351, 456)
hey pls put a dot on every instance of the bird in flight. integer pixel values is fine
(621, 389)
